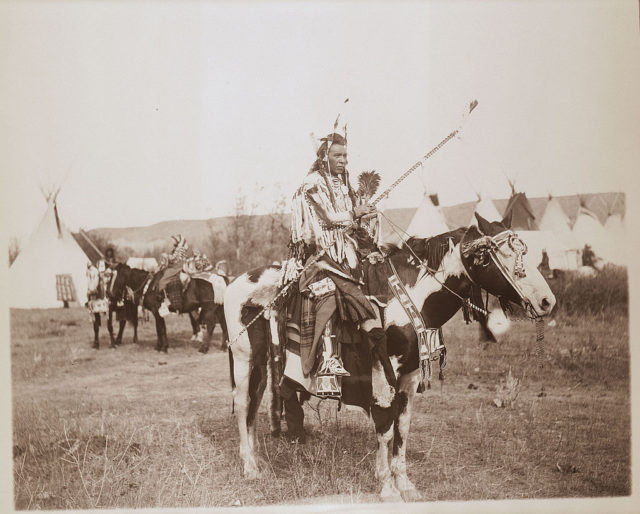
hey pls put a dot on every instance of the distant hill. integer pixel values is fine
(153, 239)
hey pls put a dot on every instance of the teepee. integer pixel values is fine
(616, 237)
(428, 219)
(555, 222)
(485, 208)
(519, 211)
(50, 271)
(587, 230)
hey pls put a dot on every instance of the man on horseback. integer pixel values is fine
(332, 243)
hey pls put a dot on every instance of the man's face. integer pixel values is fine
(337, 159)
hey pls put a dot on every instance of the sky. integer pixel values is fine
(151, 111)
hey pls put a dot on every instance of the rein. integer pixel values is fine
(429, 271)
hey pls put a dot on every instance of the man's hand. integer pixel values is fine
(363, 210)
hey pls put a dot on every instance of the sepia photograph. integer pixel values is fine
(319, 256)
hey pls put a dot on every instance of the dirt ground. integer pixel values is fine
(131, 427)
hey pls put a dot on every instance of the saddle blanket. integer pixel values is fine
(217, 281)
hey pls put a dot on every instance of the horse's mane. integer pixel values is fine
(432, 249)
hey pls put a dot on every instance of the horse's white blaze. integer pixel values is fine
(533, 285)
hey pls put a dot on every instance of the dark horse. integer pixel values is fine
(128, 311)
(199, 294)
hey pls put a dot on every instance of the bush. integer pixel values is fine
(607, 293)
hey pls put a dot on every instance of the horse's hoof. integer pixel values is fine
(252, 474)
(295, 437)
(411, 495)
(112, 346)
(390, 494)
(391, 498)
(203, 349)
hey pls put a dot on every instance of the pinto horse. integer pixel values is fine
(199, 294)
(488, 256)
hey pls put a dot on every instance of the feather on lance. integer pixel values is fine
(368, 183)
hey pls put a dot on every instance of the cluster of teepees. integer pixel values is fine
(607, 239)
(551, 233)
(50, 271)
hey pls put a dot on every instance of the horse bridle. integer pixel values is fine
(486, 249)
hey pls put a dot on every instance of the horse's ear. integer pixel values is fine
(506, 221)
(483, 224)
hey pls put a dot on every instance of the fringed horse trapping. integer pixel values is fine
(203, 293)
(487, 257)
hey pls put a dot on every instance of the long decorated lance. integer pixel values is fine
(428, 155)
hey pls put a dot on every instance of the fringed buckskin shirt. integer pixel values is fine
(315, 203)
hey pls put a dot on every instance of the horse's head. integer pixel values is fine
(492, 255)
(119, 280)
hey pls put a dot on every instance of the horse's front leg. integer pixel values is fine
(208, 318)
(383, 412)
(165, 339)
(407, 386)
(159, 322)
(135, 327)
(122, 322)
(96, 331)
(110, 328)
(195, 327)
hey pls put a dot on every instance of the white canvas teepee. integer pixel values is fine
(554, 221)
(51, 256)
(485, 208)
(616, 239)
(587, 230)
(560, 255)
(428, 219)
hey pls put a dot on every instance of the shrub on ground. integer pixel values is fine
(606, 293)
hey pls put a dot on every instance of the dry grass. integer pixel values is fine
(134, 428)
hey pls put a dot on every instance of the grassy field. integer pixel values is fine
(134, 428)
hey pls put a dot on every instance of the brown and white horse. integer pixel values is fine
(488, 256)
